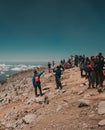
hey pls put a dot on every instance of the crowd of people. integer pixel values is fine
(92, 68)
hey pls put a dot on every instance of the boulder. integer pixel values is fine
(29, 118)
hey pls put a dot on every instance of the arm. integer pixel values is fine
(33, 79)
(40, 73)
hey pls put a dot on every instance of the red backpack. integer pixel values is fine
(90, 66)
(104, 72)
(37, 79)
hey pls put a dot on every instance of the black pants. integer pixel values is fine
(99, 78)
(91, 78)
(40, 89)
(58, 83)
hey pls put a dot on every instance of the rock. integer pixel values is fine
(82, 104)
(81, 92)
(102, 123)
(31, 100)
(85, 84)
(8, 124)
(85, 125)
(87, 95)
(73, 91)
(42, 99)
(101, 107)
(63, 91)
(29, 118)
(47, 89)
(59, 107)
(64, 84)
(81, 85)
(1, 99)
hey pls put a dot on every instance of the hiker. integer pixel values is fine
(104, 69)
(58, 73)
(53, 63)
(81, 65)
(91, 73)
(36, 82)
(99, 64)
(49, 66)
(76, 60)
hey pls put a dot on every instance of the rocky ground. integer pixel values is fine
(75, 107)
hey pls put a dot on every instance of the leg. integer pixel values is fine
(96, 78)
(101, 78)
(59, 83)
(81, 72)
(89, 80)
(93, 78)
(35, 89)
(40, 89)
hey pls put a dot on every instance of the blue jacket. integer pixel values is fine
(58, 73)
(33, 78)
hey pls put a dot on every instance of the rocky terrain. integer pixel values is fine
(75, 107)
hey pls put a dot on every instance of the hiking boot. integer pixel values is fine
(36, 95)
(100, 90)
(41, 94)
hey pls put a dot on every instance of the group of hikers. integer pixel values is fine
(37, 83)
(92, 68)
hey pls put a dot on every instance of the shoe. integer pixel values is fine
(93, 86)
(100, 90)
(36, 95)
(41, 94)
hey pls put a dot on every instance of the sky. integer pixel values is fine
(44, 30)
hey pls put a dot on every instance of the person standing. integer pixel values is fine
(36, 82)
(99, 64)
(49, 66)
(58, 73)
(53, 63)
(91, 73)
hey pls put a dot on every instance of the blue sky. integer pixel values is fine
(39, 30)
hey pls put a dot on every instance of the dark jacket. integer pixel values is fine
(58, 73)
(33, 78)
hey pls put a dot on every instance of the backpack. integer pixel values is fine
(90, 67)
(104, 72)
(37, 79)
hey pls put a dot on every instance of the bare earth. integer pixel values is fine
(56, 109)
